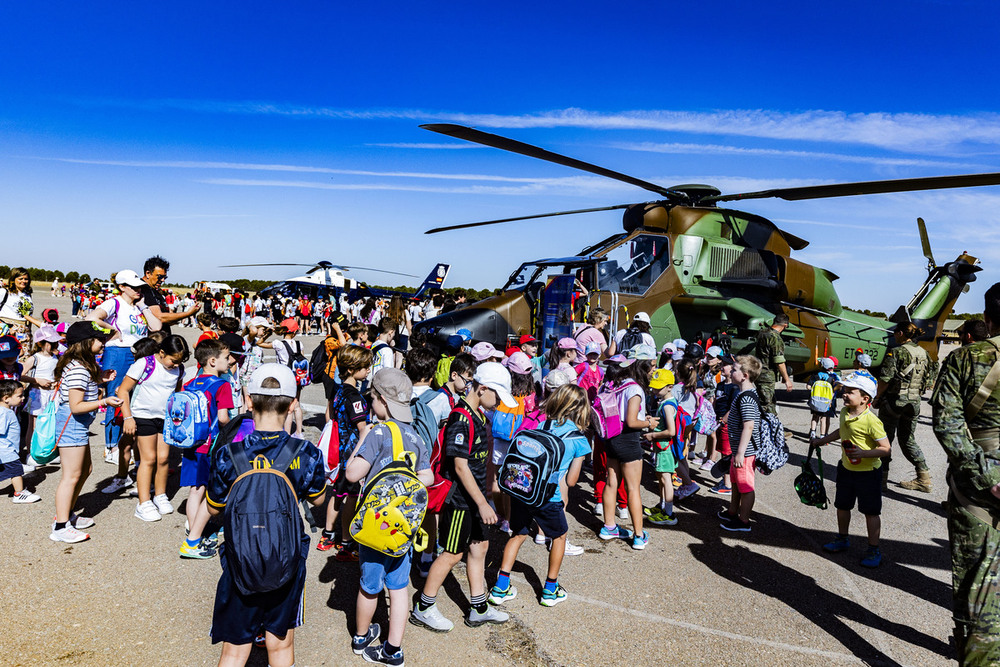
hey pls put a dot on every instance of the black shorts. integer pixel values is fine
(550, 517)
(148, 426)
(863, 486)
(237, 618)
(457, 528)
(624, 448)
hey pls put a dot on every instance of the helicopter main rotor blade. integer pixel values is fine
(865, 188)
(525, 217)
(233, 266)
(366, 268)
(925, 242)
(514, 146)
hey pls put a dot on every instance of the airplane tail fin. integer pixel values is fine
(435, 278)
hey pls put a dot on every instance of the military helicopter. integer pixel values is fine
(326, 280)
(702, 272)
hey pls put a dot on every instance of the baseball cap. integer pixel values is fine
(669, 348)
(835, 360)
(465, 334)
(518, 363)
(396, 390)
(526, 338)
(483, 351)
(729, 359)
(826, 362)
(863, 381)
(619, 360)
(9, 347)
(61, 328)
(679, 343)
(641, 316)
(46, 333)
(694, 350)
(128, 277)
(50, 315)
(566, 343)
(593, 348)
(642, 351)
(496, 377)
(290, 325)
(258, 321)
(234, 342)
(455, 341)
(864, 360)
(557, 378)
(81, 331)
(661, 378)
(283, 374)
(714, 351)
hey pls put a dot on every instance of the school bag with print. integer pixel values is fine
(440, 489)
(610, 420)
(191, 418)
(392, 505)
(772, 450)
(704, 418)
(526, 472)
(821, 393)
(262, 521)
(298, 363)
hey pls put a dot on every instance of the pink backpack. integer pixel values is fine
(610, 420)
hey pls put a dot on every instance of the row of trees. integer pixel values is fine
(47, 275)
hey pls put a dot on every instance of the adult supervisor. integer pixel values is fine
(906, 373)
(154, 272)
(966, 404)
(770, 349)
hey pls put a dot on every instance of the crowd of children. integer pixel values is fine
(455, 420)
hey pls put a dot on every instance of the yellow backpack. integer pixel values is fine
(393, 504)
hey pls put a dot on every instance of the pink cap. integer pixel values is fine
(519, 363)
(485, 351)
(566, 344)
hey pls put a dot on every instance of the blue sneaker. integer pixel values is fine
(842, 543)
(499, 596)
(615, 533)
(552, 598)
(639, 542)
(360, 642)
(872, 558)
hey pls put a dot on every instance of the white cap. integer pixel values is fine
(128, 277)
(826, 362)
(641, 316)
(680, 344)
(258, 321)
(641, 351)
(864, 360)
(861, 380)
(714, 351)
(496, 377)
(283, 374)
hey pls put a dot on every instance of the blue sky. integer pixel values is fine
(217, 133)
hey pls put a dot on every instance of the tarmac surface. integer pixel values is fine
(696, 596)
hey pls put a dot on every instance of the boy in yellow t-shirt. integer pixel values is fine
(858, 476)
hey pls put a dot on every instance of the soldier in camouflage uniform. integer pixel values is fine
(966, 405)
(770, 349)
(907, 372)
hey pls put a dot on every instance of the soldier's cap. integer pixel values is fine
(862, 381)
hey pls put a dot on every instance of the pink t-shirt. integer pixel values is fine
(589, 379)
(589, 334)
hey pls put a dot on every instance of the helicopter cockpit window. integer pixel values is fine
(634, 266)
(538, 274)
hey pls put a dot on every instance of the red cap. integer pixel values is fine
(526, 338)
(290, 324)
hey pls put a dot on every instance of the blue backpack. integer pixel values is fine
(424, 421)
(262, 521)
(192, 417)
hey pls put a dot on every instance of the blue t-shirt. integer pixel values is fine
(575, 447)
(10, 435)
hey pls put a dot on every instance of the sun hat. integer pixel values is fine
(861, 380)
(519, 363)
(396, 390)
(128, 277)
(496, 377)
(283, 374)
(483, 351)
(661, 378)
(80, 331)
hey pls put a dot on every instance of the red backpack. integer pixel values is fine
(439, 491)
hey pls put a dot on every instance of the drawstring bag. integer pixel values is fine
(808, 485)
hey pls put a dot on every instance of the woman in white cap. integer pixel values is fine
(128, 315)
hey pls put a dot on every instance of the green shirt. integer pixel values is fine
(770, 349)
(975, 472)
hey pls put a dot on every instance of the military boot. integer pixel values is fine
(921, 483)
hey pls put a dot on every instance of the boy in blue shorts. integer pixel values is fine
(391, 393)
(858, 476)
(238, 616)
(214, 360)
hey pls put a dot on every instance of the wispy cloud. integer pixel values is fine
(532, 189)
(426, 146)
(914, 132)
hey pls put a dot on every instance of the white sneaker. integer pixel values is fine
(68, 534)
(540, 539)
(491, 615)
(111, 456)
(117, 484)
(29, 465)
(25, 497)
(573, 549)
(147, 511)
(623, 513)
(81, 522)
(163, 505)
(432, 619)
(598, 509)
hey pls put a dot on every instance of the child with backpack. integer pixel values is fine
(744, 427)
(725, 392)
(263, 571)
(687, 399)
(568, 411)
(822, 397)
(213, 359)
(859, 478)
(11, 397)
(288, 352)
(459, 378)
(153, 378)
(662, 439)
(389, 441)
(349, 412)
(384, 355)
(504, 423)
(589, 374)
(466, 511)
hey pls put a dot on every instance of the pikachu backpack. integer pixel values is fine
(392, 505)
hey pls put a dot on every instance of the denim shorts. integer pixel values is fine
(72, 430)
(379, 569)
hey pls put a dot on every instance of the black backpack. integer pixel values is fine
(262, 522)
(526, 470)
(632, 338)
(317, 363)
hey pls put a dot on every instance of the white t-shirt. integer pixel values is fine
(626, 395)
(149, 398)
(384, 357)
(127, 319)
(12, 308)
(282, 347)
(439, 405)
(416, 313)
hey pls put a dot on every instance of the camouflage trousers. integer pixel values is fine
(902, 428)
(765, 391)
(975, 568)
